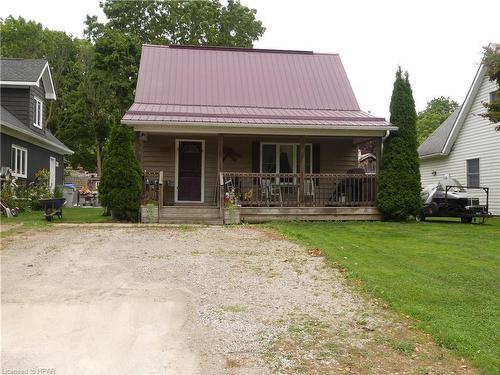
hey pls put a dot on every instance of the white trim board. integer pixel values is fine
(176, 177)
(464, 110)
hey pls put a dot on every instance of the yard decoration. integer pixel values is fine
(120, 187)
(399, 183)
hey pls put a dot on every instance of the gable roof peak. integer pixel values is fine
(27, 72)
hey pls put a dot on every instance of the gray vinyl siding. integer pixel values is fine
(17, 102)
(158, 154)
(21, 103)
(477, 139)
(38, 157)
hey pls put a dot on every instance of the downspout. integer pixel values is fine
(387, 133)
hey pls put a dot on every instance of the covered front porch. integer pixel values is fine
(217, 178)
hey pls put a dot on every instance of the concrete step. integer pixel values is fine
(191, 220)
(190, 215)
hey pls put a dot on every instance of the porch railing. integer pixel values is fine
(152, 187)
(286, 189)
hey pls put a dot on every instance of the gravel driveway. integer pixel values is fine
(194, 300)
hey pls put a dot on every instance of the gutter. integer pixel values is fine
(432, 156)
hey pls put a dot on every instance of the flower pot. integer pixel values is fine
(149, 213)
(232, 215)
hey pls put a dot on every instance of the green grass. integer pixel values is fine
(36, 219)
(445, 275)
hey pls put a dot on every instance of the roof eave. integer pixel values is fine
(39, 140)
(46, 76)
(464, 110)
(161, 126)
(432, 156)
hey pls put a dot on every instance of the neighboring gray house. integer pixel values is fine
(27, 145)
(466, 145)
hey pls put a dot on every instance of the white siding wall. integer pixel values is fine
(477, 139)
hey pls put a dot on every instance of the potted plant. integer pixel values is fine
(149, 212)
(231, 209)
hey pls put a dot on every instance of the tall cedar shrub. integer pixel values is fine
(399, 183)
(120, 188)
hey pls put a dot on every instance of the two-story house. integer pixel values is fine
(27, 145)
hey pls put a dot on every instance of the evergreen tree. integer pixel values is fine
(120, 188)
(399, 182)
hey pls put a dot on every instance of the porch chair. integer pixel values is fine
(309, 190)
(270, 191)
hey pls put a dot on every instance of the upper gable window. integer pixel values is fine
(38, 117)
(493, 96)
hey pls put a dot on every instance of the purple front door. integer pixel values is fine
(190, 163)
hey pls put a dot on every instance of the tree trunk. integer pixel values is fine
(98, 157)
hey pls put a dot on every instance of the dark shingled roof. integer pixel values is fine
(8, 118)
(434, 144)
(21, 70)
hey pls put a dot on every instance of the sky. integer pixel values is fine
(439, 42)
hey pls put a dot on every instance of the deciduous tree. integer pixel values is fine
(436, 111)
(29, 40)
(492, 61)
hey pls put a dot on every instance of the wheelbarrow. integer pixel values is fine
(52, 207)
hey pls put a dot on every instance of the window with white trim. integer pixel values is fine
(19, 161)
(493, 96)
(473, 172)
(38, 113)
(284, 158)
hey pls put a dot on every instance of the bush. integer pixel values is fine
(58, 193)
(120, 187)
(399, 182)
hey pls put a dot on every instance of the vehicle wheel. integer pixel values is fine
(420, 217)
(466, 219)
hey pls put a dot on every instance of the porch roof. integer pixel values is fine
(248, 87)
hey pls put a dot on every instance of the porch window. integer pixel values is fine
(473, 172)
(19, 161)
(284, 158)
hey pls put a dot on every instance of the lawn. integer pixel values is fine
(445, 275)
(36, 219)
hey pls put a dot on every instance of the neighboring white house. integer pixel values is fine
(466, 146)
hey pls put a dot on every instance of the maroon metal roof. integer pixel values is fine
(231, 85)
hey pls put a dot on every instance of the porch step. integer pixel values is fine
(190, 215)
